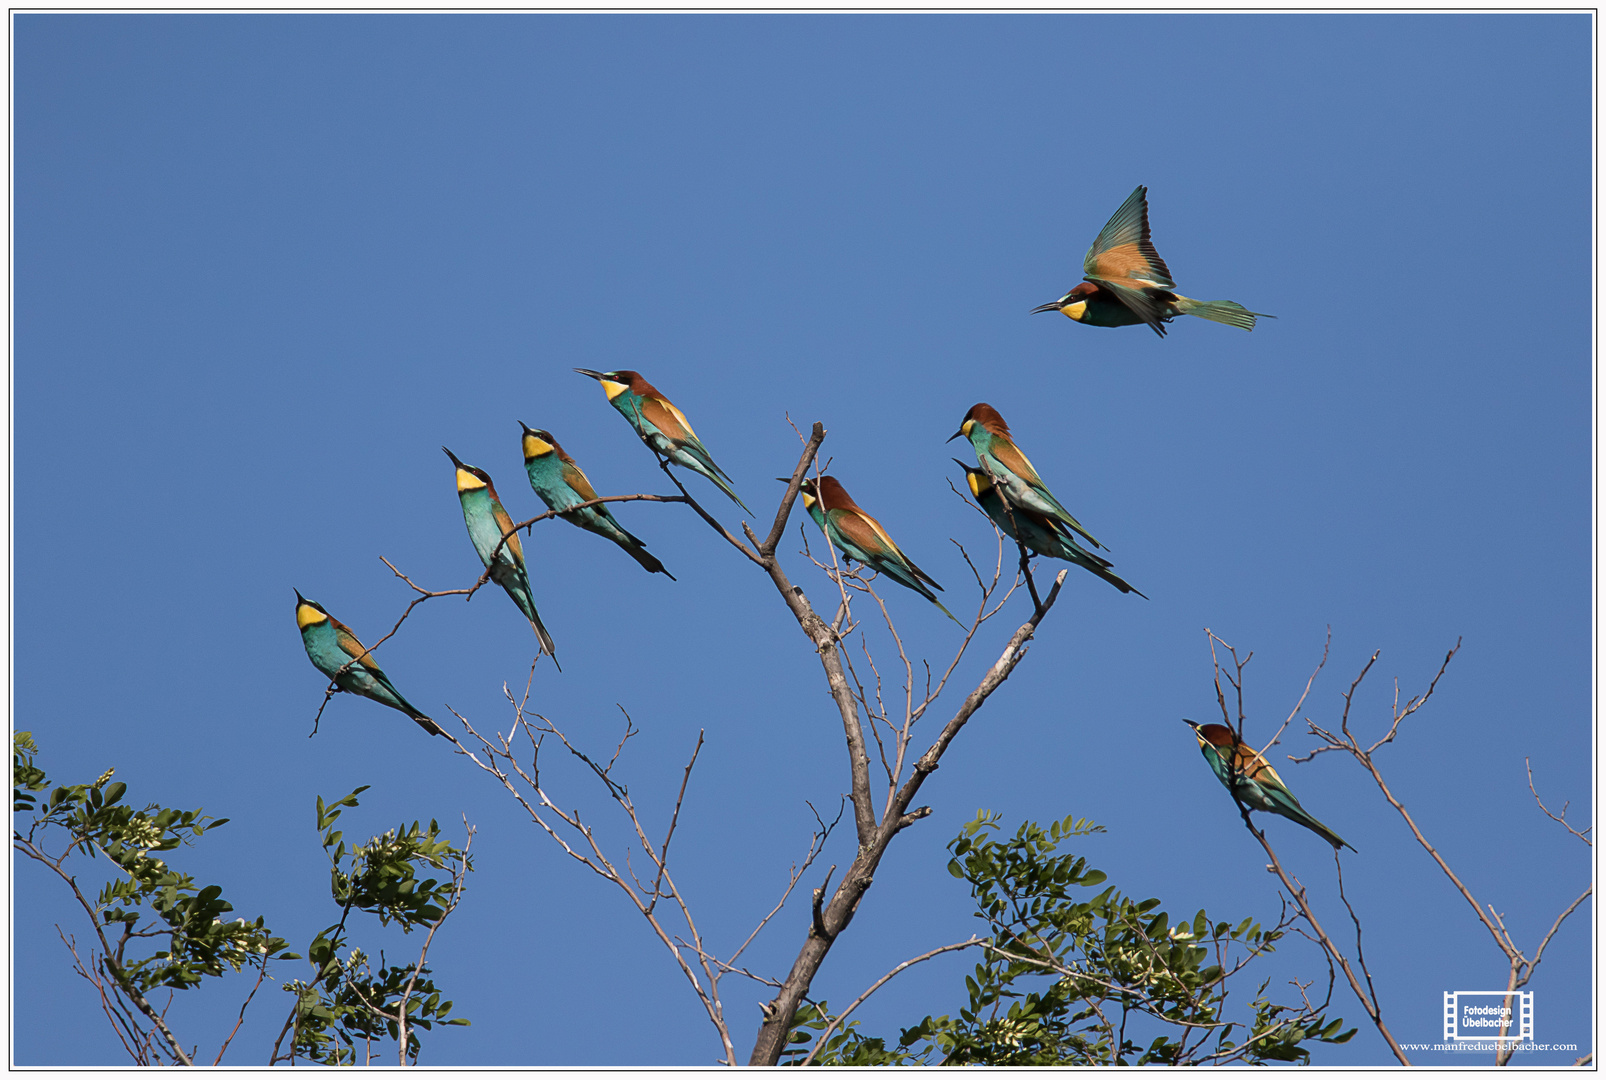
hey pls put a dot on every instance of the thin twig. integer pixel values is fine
(460, 874)
(663, 851)
(262, 971)
(1560, 819)
(1297, 891)
(819, 1043)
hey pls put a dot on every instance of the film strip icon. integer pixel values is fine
(1519, 1029)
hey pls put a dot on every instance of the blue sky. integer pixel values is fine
(265, 266)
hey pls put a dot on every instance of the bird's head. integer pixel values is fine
(978, 479)
(1073, 303)
(538, 442)
(309, 612)
(809, 489)
(833, 496)
(468, 477)
(1218, 735)
(614, 383)
(986, 416)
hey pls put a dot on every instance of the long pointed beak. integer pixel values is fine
(1191, 724)
(588, 371)
(1052, 305)
(299, 598)
(453, 456)
(962, 465)
(528, 430)
(955, 435)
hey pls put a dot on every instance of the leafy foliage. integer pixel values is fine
(157, 928)
(348, 1001)
(148, 903)
(1076, 979)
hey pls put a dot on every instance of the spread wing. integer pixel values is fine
(505, 523)
(577, 481)
(353, 648)
(1146, 307)
(1123, 252)
(666, 418)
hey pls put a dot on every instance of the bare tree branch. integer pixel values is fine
(262, 973)
(1520, 967)
(1560, 819)
(674, 818)
(819, 1043)
(834, 917)
(1297, 891)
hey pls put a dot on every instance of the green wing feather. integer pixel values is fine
(1128, 227)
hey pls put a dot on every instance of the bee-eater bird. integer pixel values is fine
(1257, 784)
(660, 425)
(1127, 282)
(1044, 535)
(860, 537)
(331, 646)
(1021, 486)
(561, 485)
(487, 524)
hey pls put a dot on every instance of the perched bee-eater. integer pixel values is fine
(487, 523)
(560, 483)
(331, 646)
(660, 425)
(1044, 535)
(860, 537)
(1021, 486)
(1256, 782)
(1128, 283)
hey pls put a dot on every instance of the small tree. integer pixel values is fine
(155, 928)
(1074, 978)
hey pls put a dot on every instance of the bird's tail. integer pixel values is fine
(724, 484)
(948, 613)
(426, 723)
(520, 593)
(694, 456)
(1327, 834)
(1067, 525)
(545, 638)
(1298, 813)
(1114, 580)
(1221, 311)
(1071, 551)
(649, 562)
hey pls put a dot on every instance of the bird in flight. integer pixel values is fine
(1126, 282)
